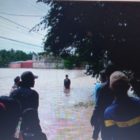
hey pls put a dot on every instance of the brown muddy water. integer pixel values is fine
(64, 115)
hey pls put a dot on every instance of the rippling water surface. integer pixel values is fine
(64, 115)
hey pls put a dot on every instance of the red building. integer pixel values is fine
(21, 64)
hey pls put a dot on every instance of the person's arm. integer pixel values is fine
(98, 109)
(37, 100)
(69, 82)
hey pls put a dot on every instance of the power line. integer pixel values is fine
(26, 43)
(15, 22)
(9, 20)
(7, 28)
(9, 14)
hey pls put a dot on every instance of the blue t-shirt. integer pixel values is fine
(95, 89)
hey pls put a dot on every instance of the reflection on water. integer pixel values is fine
(60, 115)
(67, 92)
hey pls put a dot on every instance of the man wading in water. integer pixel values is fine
(67, 82)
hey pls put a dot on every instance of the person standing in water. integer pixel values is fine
(67, 82)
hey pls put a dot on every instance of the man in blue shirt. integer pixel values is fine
(104, 99)
(122, 117)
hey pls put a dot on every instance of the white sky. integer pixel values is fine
(10, 30)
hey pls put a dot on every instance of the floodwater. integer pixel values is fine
(64, 115)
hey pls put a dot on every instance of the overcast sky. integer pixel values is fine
(16, 18)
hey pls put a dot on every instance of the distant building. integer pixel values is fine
(39, 61)
(47, 62)
(21, 64)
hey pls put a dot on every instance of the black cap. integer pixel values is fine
(28, 75)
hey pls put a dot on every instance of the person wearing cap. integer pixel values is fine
(122, 117)
(29, 100)
(27, 97)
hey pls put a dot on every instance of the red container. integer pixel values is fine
(21, 64)
(27, 64)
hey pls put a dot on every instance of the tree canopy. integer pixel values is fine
(98, 32)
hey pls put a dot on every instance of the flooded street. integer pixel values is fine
(64, 115)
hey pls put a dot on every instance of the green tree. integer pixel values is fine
(98, 31)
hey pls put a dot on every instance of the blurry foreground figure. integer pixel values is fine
(104, 98)
(29, 100)
(97, 86)
(122, 117)
(16, 83)
(30, 126)
(9, 117)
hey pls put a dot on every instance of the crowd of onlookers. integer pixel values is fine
(19, 111)
(116, 116)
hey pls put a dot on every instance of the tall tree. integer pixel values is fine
(96, 31)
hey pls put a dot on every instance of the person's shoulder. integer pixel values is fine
(101, 87)
(109, 111)
(14, 92)
(98, 84)
(34, 92)
(135, 101)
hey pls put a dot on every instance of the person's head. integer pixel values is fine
(17, 80)
(27, 79)
(67, 76)
(102, 76)
(119, 83)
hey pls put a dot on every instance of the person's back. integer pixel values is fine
(67, 82)
(9, 117)
(122, 118)
(31, 130)
(27, 97)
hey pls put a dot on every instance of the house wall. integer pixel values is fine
(47, 65)
(15, 65)
(27, 64)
